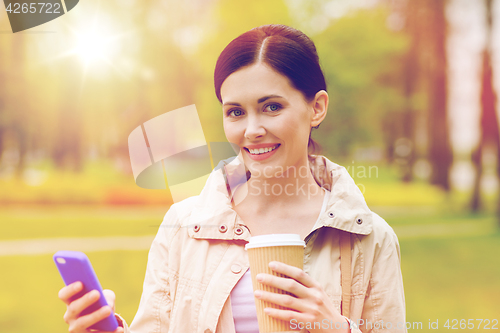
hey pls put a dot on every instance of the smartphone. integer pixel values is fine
(75, 266)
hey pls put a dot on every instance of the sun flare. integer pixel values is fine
(95, 45)
(92, 46)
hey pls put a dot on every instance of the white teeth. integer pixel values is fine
(261, 150)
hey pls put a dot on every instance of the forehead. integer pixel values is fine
(252, 82)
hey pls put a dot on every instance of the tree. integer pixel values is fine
(363, 63)
(489, 134)
(440, 153)
(17, 104)
(406, 119)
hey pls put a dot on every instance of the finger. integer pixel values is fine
(110, 297)
(84, 322)
(283, 283)
(69, 291)
(288, 315)
(284, 300)
(77, 306)
(293, 272)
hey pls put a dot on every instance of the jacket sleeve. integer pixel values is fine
(155, 306)
(384, 307)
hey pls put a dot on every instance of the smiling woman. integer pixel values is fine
(273, 93)
(289, 53)
(282, 116)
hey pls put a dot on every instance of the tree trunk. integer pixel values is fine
(440, 153)
(475, 204)
(489, 127)
(67, 149)
(18, 103)
(411, 73)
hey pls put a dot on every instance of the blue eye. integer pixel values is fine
(274, 107)
(236, 113)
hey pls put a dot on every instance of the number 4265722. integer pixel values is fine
(24, 8)
(463, 324)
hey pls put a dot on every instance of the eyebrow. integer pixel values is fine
(260, 100)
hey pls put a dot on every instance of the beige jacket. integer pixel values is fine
(198, 256)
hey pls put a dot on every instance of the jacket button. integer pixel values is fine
(222, 228)
(238, 231)
(331, 215)
(359, 221)
(235, 268)
(196, 228)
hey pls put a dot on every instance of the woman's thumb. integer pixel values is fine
(110, 298)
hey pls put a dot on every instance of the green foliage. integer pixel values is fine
(362, 61)
(76, 110)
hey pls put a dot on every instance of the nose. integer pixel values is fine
(254, 129)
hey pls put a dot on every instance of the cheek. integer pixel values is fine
(297, 128)
(305, 121)
(232, 132)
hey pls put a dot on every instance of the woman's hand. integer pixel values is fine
(81, 324)
(311, 305)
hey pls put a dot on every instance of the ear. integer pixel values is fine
(319, 107)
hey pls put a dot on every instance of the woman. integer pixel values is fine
(273, 93)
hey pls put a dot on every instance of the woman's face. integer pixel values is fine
(262, 112)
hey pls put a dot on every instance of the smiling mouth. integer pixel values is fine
(261, 150)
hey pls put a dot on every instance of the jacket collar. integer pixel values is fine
(213, 217)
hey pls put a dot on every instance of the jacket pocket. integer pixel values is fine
(184, 308)
(165, 305)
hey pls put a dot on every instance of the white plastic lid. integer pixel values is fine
(275, 240)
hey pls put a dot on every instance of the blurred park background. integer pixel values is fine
(413, 116)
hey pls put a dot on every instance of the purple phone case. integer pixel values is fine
(78, 268)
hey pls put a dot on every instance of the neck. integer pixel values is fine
(293, 187)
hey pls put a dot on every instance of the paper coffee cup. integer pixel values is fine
(286, 248)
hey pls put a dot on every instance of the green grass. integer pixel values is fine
(29, 287)
(443, 278)
(79, 221)
(396, 216)
(451, 278)
(98, 183)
